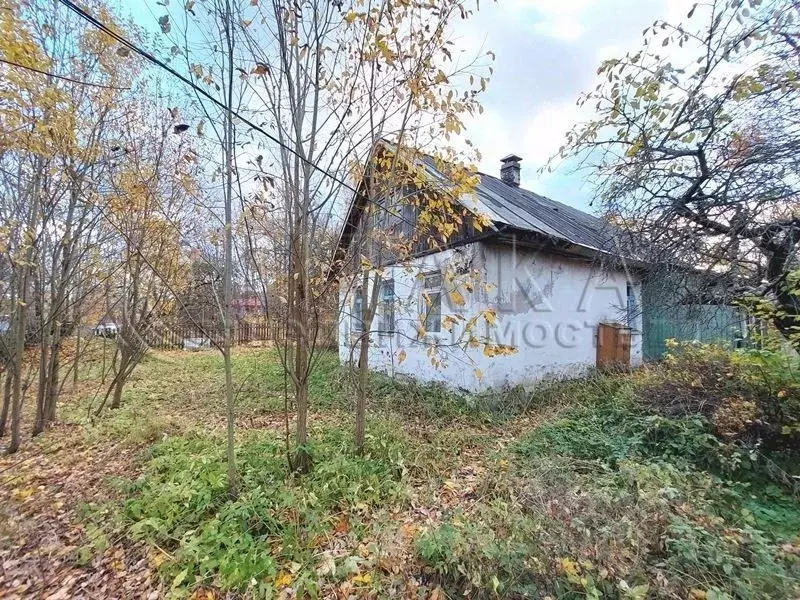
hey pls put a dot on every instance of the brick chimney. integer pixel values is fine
(509, 172)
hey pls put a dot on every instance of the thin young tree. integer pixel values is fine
(150, 186)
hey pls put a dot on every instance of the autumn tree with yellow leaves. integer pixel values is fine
(314, 85)
(152, 189)
(91, 179)
(336, 79)
(56, 144)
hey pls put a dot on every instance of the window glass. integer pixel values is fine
(432, 300)
(408, 220)
(631, 308)
(387, 307)
(357, 316)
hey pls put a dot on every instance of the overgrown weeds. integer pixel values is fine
(622, 496)
(603, 487)
(273, 533)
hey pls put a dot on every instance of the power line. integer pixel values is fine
(149, 57)
(62, 77)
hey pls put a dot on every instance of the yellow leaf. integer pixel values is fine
(350, 16)
(479, 374)
(365, 578)
(283, 580)
(490, 316)
(457, 298)
(401, 357)
(23, 493)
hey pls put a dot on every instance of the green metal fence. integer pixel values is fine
(703, 323)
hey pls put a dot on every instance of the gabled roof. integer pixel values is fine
(526, 210)
(523, 210)
(514, 210)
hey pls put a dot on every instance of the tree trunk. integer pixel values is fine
(361, 392)
(42, 389)
(19, 326)
(6, 402)
(367, 316)
(18, 356)
(55, 369)
(116, 400)
(121, 375)
(16, 410)
(302, 460)
(227, 279)
(77, 352)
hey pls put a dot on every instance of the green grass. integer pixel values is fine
(597, 501)
(582, 489)
(276, 524)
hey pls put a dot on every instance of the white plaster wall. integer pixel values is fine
(547, 306)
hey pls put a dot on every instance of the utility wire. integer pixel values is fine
(64, 78)
(159, 63)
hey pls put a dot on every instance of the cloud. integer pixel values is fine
(547, 54)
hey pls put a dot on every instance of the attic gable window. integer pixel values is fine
(432, 302)
(408, 219)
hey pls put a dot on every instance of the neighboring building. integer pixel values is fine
(670, 314)
(107, 329)
(247, 304)
(548, 271)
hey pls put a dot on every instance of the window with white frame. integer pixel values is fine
(432, 302)
(387, 307)
(357, 314)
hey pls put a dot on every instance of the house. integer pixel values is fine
(547, 280)
(247, 304)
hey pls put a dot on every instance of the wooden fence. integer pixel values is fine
(193, 337)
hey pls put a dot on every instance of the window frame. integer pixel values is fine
(430, 290)
(357, 313)
(387, 308)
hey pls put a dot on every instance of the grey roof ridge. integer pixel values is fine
(557, 234)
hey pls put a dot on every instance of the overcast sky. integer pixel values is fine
(547, 53)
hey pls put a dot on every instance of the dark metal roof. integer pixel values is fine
(527, 211)
(523, 210)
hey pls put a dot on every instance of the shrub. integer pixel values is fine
(751, 394)
(626, 496)
(611, 434)
(491, 553)
(728, 562)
